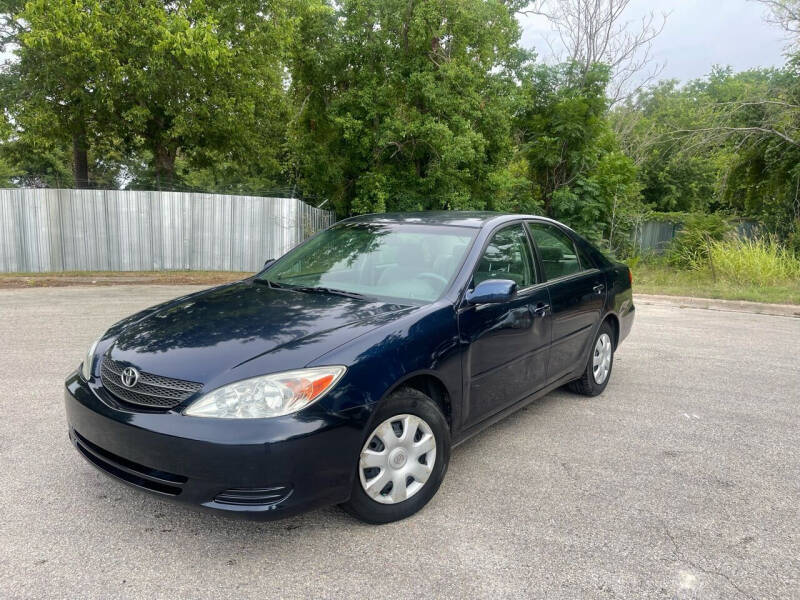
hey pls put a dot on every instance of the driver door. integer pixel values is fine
(506, 358)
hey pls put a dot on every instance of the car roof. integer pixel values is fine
(460, 218)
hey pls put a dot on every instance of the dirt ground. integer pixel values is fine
(28, 280)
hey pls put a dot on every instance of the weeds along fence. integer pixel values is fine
(43, 230)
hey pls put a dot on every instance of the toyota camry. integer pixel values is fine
(345, 371)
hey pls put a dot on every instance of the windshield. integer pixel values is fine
(403, 262)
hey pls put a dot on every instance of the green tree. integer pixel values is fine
(405, 105)
(675, 176)
(56, 91)
(575, 167)
(204, 80)
(151, 81)
(727, 143)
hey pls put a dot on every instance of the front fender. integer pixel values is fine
(424, 342)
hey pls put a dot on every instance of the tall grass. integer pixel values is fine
(759, 262)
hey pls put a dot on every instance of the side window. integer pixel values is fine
(556, 250)
(508, 256)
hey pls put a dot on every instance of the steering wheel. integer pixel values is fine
(434, 276)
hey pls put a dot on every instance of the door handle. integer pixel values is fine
(598, 289)
(540, 310)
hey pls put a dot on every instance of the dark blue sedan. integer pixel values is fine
(345, 371)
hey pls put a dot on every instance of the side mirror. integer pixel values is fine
(492, 291)
(268, 263)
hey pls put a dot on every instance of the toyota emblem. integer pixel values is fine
(130, 377)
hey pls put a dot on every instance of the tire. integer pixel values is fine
(587, 384)
(397, 457)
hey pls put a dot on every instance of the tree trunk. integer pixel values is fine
(548, 205)
(164, 166)
(80, 160)
(164, 150)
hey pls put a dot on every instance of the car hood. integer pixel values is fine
(243, 330)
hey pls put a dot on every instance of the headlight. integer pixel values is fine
(88, 360)
(268, 396)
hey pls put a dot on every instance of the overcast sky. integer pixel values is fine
(698, 34)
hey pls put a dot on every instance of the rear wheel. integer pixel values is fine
(403, 459)
(598, 368)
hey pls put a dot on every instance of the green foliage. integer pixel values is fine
(692, 245)
(205, 82)
(676, 217)
(578, 173)
(763, 178)
(406, 105)
(512, 189)
(57, 91)
(676, 174)
(199, 79)
(7, 172)
(793, 241)
(759, 262)
(725, 143)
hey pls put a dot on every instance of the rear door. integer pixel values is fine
(507, 355)
(577, 296)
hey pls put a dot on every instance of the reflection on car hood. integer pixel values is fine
(199, 337)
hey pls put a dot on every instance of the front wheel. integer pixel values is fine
(403, 459)
(598, 368)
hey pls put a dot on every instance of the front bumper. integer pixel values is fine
(259, 468)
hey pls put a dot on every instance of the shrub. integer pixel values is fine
(757, 262)
(690, 247)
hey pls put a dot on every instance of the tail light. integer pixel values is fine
(630, 276)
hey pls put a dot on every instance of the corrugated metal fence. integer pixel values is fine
(655, 236)
(102, 230)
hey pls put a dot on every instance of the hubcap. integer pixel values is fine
(397, 459)
(601, 361)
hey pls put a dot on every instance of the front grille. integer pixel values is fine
(152, 391)
(127, 470)
(255, 496)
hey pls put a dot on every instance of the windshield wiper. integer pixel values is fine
(327, 290)
(273, 284)
(311, 289)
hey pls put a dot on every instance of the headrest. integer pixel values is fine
(551, 253)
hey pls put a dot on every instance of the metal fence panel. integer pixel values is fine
(655, 236)
(45, 230)
(9, 244)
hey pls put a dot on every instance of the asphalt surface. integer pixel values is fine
(681, 481)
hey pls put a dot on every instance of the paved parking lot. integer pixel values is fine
(681, 481)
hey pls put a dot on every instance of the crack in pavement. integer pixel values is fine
(682, 557)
